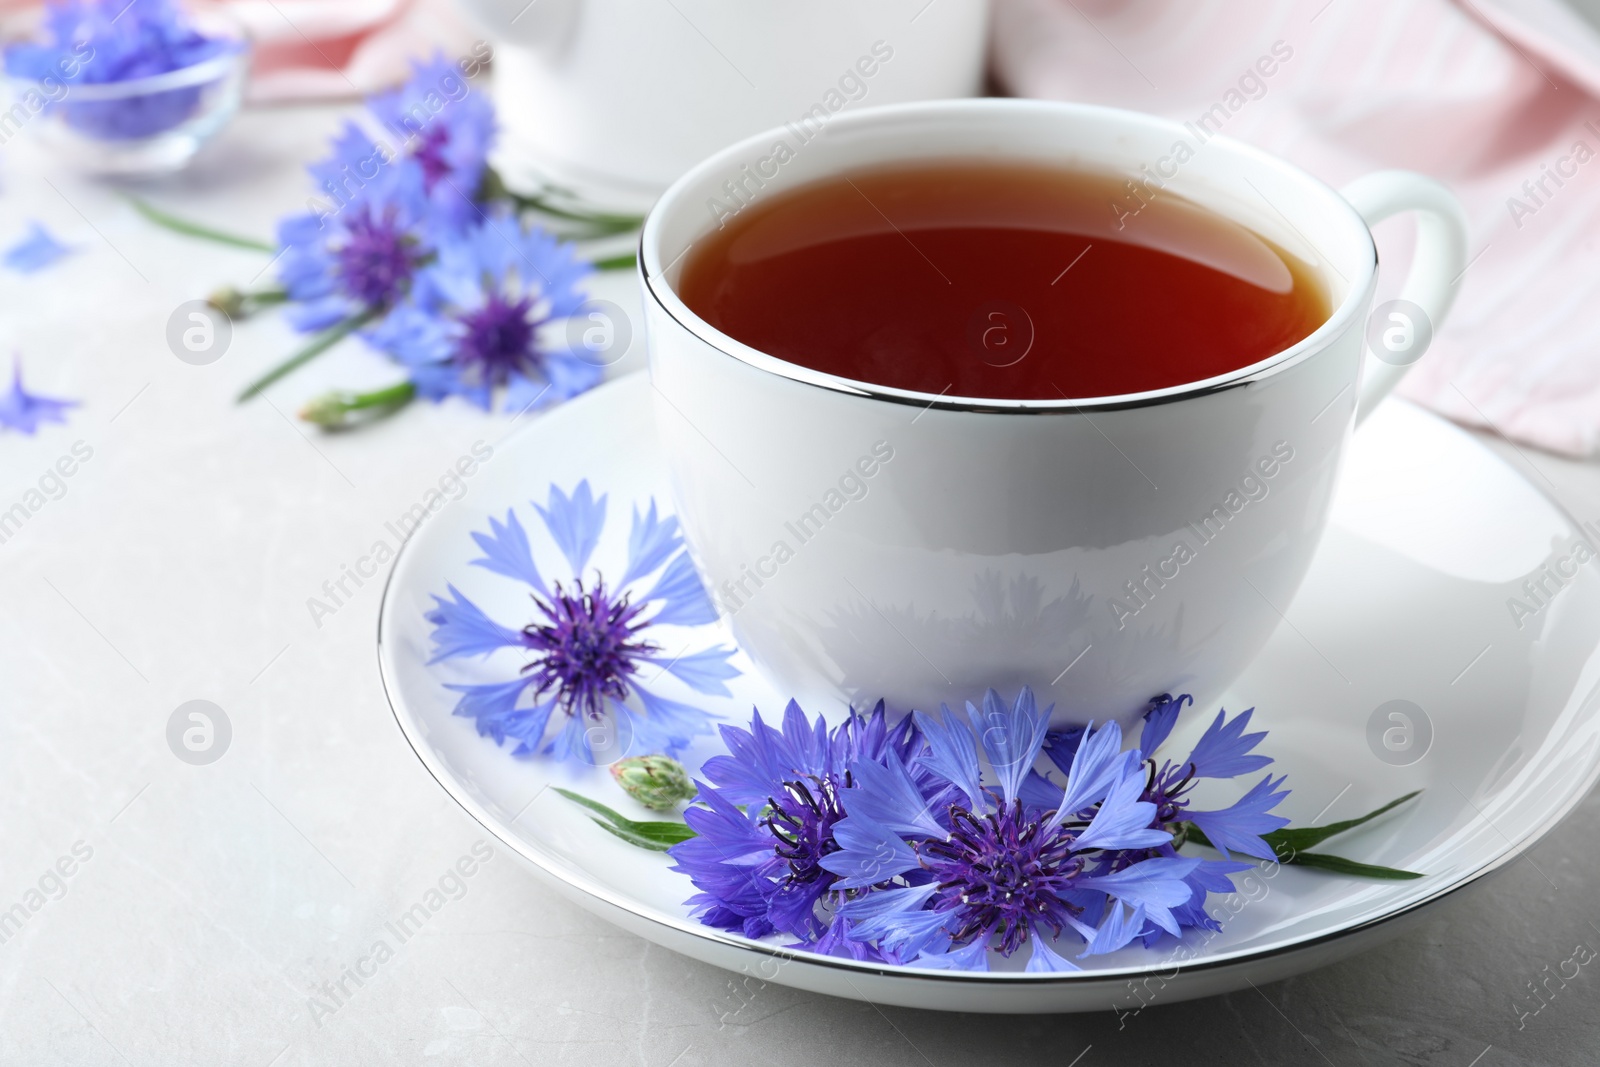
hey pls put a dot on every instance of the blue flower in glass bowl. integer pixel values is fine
(589, 638)
(129, 86)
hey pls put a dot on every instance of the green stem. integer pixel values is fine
(622, 262)
(540, 202)
(241, 304)
(319, 344)
(1290, 843)
(194, 229)
(597, 223)
(331, 410)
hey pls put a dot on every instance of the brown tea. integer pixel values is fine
(1013, 281)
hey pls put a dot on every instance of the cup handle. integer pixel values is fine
(1436, 267)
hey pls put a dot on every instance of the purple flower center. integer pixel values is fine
(430, 154)
(1000, 874)
(497, 338)
(1165, 789)
(378, 258)
(802, 819)
(588, 649)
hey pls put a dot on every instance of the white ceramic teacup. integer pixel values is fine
(871, 542)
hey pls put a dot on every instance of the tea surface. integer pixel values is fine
(1000, 281)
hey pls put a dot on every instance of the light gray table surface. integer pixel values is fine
(216, 900)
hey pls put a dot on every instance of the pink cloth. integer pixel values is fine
(326, 49)
(1485, 95)
(319, 49)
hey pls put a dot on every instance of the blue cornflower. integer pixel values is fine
(961, 864)
(476, 317)
(34, 252)
(1223, 751)
(588, 638)
(97, 42)
(360, 257)
(446, 128)
(387, 209)
(768, 820)
(23, 411)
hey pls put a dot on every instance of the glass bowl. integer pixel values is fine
(142, 126)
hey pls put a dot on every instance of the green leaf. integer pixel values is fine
(195, 229)
(656, 836)
(1298, 840)
(626, 261)
(1339, 865)
(1289, 845)
(632, 839)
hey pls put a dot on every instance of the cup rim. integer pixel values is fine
(652, 271)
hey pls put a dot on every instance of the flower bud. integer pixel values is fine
(229, 301)
(657, 782)
(327, 410)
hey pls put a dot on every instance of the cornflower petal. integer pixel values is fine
(869, 853)
(1118, 930)
(572, 740)
(1062, 745)
(1098, 764)
(1040, 795)
(970, 957)
(1011, 737)
(574, 522)
(791, 785)
(836, 941)
(1223, 750)
(34, 252)
(651, 542)
(733, 836)
(26, 412)
(567, 375)
(1210, 877)
(528, 727)
(952, 753)
(758, 763)
(445, 134)
(1238, 828)
(686, 602)
(506, 551)
(460, 628)
(525, 394)
(1046, 960)
(1159, 721)
(703, 671)
(1158, 884)
(317, 313)
(886, 793)
(1123, 820)
(668, 724)
(807, 741)
(895, 918)
(489, 705)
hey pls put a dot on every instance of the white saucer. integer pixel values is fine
(1407, 601)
